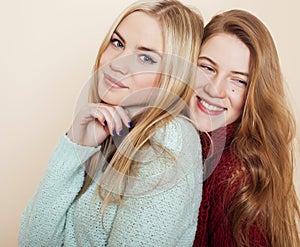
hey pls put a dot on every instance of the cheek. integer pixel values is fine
(105, 57)
(238, 100)
(202, 79)
(146, 79)
(103, 60)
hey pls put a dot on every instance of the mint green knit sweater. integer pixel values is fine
(164, 215)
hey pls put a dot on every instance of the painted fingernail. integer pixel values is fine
(120, 132)
(105, 122)
(114, 132)
(130, 124)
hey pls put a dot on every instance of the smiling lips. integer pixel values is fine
(113, 83)
(209, 108)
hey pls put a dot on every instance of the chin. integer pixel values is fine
(203, 125)
(110, 101)
(208, 125)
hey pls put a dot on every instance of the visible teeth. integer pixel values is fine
(210, 107)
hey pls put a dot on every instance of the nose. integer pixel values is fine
(216, 87)
(120, 64)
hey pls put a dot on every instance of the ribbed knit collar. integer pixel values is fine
(221, 138)
(214, 143)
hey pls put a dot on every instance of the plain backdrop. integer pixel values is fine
(46, 56)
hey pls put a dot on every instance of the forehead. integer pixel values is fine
(227, 51)
(143, 29)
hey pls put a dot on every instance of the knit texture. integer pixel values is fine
(165, 217)
(214, 228)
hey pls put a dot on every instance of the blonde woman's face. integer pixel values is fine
(221, 87)
(131, 60)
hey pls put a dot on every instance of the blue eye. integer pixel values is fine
(117, 43)
(146, 59)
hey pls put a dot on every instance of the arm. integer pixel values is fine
(165, 217)
(43, 220)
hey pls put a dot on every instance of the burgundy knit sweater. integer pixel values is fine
(218, 190)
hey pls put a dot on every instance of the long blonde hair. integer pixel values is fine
(182, 30)
(264, 139)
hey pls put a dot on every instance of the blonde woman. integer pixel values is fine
(248, 195)
(128, 172)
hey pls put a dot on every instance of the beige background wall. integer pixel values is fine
(46, 54)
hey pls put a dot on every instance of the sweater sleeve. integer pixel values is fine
(43, 220)
(165, 216)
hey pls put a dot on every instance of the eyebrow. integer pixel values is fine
(207, 58)
(141, 48)
(120, 36)
(214, 63)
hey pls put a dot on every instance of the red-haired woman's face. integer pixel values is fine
(221, 86)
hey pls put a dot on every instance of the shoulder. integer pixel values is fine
(180, 124)
(177, 135)
(174, 154)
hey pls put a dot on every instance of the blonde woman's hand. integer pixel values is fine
(95, 122)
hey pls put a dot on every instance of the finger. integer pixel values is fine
(100, 132)
(124, 116)
(108, 120)
(117, 119)
(97, 114)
